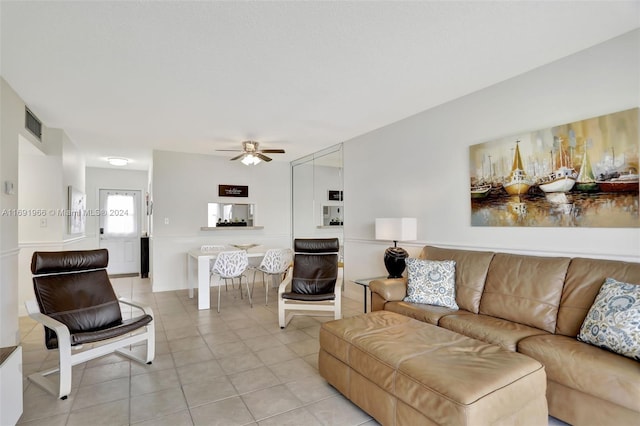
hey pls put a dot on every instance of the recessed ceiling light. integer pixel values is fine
(118, 161)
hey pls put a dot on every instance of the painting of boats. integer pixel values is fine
(586, 180)
(517, 183)
(590, 165)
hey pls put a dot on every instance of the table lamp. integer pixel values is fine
(396, 229)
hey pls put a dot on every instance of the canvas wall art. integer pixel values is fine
(77, 208)
(580, 174)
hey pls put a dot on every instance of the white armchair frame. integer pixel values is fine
(67, 359)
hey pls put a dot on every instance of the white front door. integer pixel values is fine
(120, 229)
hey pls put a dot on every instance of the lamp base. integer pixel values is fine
(394, 261)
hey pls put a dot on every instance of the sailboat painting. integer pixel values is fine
(579, 174)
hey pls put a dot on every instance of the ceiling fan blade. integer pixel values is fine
(273, 151)
(237, 157)
(262, 157)
(230, 150)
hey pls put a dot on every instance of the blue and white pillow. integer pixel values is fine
(613, 322)
(431, 282)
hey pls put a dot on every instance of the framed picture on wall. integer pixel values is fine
(77, 208)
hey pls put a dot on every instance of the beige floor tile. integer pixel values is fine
(154, 382)
(297, 417)
(110, 414)
(311, 389)
(179, 327)
(290, 335)
(228, 412)
(105, 373)
(291, 370)
(337, 410)
(160, 362)
(250, 332)
(157, 405)
(305, 347)
(224, 350)
(192, 356)
(276, 355)
(238, 363)
(208, 390)
(252, 380)
(102, 393)
(187, 343)
(181, 418)
(262, 342)
(270, 401)
(202, 370)
(38, 404)
(55, 420)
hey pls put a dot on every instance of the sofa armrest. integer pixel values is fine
(389, 289)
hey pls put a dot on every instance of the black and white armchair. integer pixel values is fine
(77, 305)
(313, 282)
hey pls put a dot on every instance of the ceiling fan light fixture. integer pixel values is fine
(250, 160)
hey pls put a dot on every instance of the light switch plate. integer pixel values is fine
(9, 187)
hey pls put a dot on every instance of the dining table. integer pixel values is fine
(202, 259)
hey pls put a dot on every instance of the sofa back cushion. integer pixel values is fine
(525, 289)
(583, 282)
(471, 272)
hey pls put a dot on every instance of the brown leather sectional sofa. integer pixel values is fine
(535, 306)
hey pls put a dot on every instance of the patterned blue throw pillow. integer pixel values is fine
(613, 322)
(431, 282)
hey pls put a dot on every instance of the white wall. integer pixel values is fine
(11, 128)
(418, 167)
(183, 184)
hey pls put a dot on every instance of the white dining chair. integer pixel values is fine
(274, 264)
(230, 265)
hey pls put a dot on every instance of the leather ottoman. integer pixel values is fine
(405, 372)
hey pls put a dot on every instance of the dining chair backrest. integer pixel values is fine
(276, 261)
(230, 264)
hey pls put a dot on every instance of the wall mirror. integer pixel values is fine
(230, 214)
(317, 211)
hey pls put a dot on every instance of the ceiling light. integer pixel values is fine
(118, 161)
(250, 160)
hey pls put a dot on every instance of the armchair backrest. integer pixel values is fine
(73, 287)
(315, 265)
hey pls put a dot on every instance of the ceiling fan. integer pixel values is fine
(251, 154)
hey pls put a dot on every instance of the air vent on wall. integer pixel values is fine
(32, 124)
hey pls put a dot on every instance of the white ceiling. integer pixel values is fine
(124, 78)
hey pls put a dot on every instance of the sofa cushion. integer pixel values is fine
(489, 329)
(425, 313)
(613, 322)
(586, 368)
(431, 282)
(471, 273)
(584, 278)
(525, 289)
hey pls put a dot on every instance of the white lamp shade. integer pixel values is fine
(397, 229)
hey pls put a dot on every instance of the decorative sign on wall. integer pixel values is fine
(233, 191)
(580, 174)
(335, 195)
